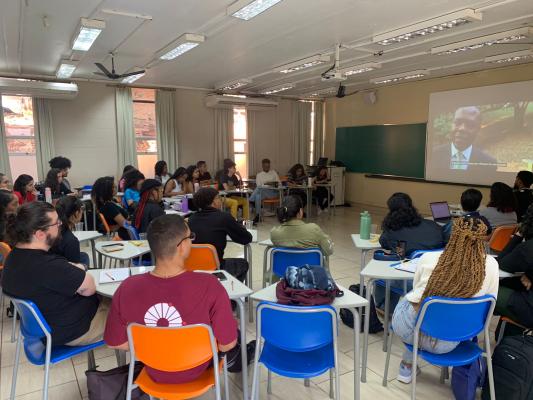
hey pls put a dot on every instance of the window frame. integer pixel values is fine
(139, 138)
(237, 109)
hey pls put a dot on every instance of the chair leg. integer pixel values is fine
(387, 359)
(14, 326)
(307, 382)
(269, 382)
(414, 367)
(502, 331)
(15, 368)
(488, 354)
(442, 378)
(226, 382)
(91, 362)
(255, 379)
(331, 395)
(46, 379)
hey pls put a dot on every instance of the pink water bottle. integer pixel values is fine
(185, 205)
(48, 195)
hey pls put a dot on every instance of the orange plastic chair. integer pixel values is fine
(175, 349)
(4, 252)
(202, 257)
(504, 321)
(501, 236)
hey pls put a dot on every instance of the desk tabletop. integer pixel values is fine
(365, 244)
(129, 250)
(235, 288)
(180, 213)
(252, 231)
(87, 235)
(382, 270)
(349, 300)
(266, 242)
(235, 191)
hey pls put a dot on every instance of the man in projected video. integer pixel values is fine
(462, 154)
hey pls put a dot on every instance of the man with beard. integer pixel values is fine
(63, 291)
(462, 154)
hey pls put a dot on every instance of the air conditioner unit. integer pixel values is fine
(47, 90)
(220, 101)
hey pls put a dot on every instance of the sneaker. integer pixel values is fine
(405, 373)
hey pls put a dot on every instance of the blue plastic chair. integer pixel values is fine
(283, 257)
(456, 320)
(34, 328)
(296, 342)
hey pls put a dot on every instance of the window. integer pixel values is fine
(145, 129)
(20, 138)
(240, 143)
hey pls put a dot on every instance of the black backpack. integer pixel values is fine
(512, 363)
(375, 325)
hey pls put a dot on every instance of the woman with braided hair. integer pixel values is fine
(150, 206)
(462, 270)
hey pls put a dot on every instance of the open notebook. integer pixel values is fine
(408, 266)
(114, 275)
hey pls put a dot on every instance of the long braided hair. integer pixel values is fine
(460, 271)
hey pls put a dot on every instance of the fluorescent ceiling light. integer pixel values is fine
(66, 69)
(233, 85)
(246, 10)
(510, 57)
(359, 69)
(322, 92)
(133, 78)
(401, 77)
(277, 89)
(482, 41)
(303, 64)
(240, 96)
(87, 32)
(434, 25)
(181, 45)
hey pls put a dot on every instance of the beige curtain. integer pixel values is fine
(126, 149)
(251, 127)
(319, 130)
(167, 135)
(301, 131)
(4, 155)
(223, 145)
(44, 135)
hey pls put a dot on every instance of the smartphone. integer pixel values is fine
(220, 276)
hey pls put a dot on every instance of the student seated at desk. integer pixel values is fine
(470, 202)
(8, 206)
(501, 209)
(515, 298)
(70, 211)
(265, 177)
(150, 206)
(321, 193)
(523, 192)
(4, 183)
(132, 195)
(175, 185)
(24, 189)
(63, 291)
(231, 180)
(212, 226)
(204, 177)
(297, 177)
(63, 164)
(403, 223)
(103, 193)
(54, 181)
(192, 181)
(293, 232)
(462, 270)
(161, 172)
(192, 297)
(122, 180)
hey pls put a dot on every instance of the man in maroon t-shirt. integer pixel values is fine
(171, 296)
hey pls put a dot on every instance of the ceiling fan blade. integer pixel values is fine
(102, 68)
(101, 74)
(132, 73)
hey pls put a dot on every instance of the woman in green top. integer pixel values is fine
(293, 232)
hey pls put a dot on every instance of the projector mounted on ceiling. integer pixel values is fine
(333, 74)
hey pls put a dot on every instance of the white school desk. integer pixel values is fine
(83, 236)
(129, 251)
(236, 291)
(365, 246)
(351, 301)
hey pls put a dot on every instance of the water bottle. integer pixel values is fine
(196, 187)
(366, 222)
(48, 195)
(185, 204)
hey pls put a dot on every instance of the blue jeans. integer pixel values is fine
(403, 324)
(84, 259)
(379, 294)
(260, 194)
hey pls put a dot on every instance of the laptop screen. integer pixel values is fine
(440, 210)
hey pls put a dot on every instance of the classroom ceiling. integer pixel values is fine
(36, 34)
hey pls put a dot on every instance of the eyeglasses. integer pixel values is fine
(192, 236)
(58, 223)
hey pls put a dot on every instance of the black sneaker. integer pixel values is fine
(234, 358)
(256, 220)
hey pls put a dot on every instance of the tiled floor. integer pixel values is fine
(68, 378)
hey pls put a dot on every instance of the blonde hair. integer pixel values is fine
(460, 271)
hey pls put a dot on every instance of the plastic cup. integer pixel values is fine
(78, 226)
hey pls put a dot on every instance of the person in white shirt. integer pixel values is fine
(263, 179)
(462, 270)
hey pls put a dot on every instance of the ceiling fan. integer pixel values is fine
(113, 75)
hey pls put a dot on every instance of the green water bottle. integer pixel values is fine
(366, 222)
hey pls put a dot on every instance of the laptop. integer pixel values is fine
(440, 211)
(322, 162)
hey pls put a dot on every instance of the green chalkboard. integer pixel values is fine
(398, 150)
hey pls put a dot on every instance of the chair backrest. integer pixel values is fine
(172, 349)
(202, 257)
(455, 319)
(32, 323)
(104, 223)
(132, 232)
(501, 236)
(297, 328)
(4, 252)
(283, 257)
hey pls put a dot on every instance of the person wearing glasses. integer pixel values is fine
(62, 290)
(213, 226)
(171, 296)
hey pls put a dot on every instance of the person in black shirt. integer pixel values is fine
(63, 291)
(470, 202)
(212, 226)
(54, 180)
(104, 190)
(64, 164)
(8, 205)
(297, 177)
(70, 211)
(523, 193)
(205, 176)
(150, 206)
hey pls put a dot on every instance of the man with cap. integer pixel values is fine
(523, 193)
(150, 205)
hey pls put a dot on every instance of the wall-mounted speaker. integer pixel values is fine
(370, 97)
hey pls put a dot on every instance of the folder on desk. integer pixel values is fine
(114, 275)
(409, 266)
